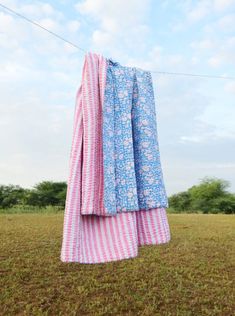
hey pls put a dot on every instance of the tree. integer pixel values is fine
(48, 193)
(11, 195)
(209, 196)
(203, 196)
(180, 202)
(225, 204)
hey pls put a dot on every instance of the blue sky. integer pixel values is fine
(40, 75)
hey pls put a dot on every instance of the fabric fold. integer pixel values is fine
(90, 105)
(133, 177)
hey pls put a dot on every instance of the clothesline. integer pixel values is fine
(83, 50)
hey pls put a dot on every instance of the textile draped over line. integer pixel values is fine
(133, 178)
(121, 168)
(90, 106)
(88, 238)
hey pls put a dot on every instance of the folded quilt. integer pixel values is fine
(88, 132)
(115, 140)
(133, 178)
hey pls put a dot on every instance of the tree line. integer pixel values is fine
(41, 195)
(209, 196)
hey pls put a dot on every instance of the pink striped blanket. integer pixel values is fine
(89, 105)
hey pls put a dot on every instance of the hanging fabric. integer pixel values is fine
(116, 199)
(133, 178)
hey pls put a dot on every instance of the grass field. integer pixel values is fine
(193, 274)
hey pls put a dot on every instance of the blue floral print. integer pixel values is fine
(133, 178)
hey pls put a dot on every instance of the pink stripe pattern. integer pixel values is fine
(90, 104)
(89, 237)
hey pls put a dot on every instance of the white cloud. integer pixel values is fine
(215, 61)
(12, 30)
(13, 71)
(37, 134)
(102, 38)
(224, 56)
(38, 10)
(195, 60)
(203, 44)
(194, 139)
(111, 12)
(221, 118)
(221, 5)
(174, 60)
(217, 46)
(230, 87)
(158, 59)
(50, 24)
(119, 21)
(205, 138)
(227, 23)
(198, 12)
(73, 26)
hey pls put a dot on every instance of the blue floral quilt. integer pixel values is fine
(133, 178)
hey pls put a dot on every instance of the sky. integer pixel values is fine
(40, 75)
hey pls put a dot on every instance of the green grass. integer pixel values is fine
(28, 209)
(191, 275)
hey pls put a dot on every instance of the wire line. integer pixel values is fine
(193, 75)
(44, 28)
(80, 48)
